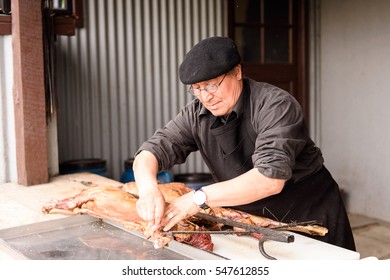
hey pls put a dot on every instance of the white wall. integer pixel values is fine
(355, 99)
(7, 124)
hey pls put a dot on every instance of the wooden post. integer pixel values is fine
(29, 92)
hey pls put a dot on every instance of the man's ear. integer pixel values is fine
(238, 72)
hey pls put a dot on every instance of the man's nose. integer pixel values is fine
(206, 95)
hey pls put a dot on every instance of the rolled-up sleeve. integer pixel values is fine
(281, 135)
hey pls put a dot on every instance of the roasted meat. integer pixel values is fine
(173, 190)
(115, 204)
(119, 204)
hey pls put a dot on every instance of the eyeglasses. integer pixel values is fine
(209, 88)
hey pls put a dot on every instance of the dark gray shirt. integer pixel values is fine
(266, 130)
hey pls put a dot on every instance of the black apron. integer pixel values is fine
(317, 197)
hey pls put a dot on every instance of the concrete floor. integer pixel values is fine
(372, 236)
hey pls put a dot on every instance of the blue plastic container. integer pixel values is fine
(128, 175)
(91, 165)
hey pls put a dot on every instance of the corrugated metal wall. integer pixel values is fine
(7, 123)
(117, 79)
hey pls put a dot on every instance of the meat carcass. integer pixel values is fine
(171, 191)
(115, 204)
(119, 204)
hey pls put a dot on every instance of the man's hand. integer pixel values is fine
(182, 208)
(151, 203)
(151, 208)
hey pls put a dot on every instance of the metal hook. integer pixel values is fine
(264, 238)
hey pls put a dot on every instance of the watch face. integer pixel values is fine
(199, 197)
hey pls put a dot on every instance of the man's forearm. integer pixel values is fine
(145, 171)
(246, 188)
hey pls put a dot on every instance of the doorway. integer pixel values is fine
(271, 38)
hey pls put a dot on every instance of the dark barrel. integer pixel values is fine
(91, 165)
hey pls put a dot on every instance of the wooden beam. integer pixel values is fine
(5, 25)
(29, 92)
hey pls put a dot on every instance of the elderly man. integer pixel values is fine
(253, 138)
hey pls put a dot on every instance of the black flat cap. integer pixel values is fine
(208, 59)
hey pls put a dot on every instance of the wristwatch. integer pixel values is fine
(200, 199)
